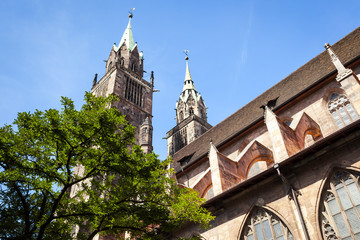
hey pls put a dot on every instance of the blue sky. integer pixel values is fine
(238, 49)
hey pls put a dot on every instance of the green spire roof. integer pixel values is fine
(127, 37)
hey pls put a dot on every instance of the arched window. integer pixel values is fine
(256, 168)
(191, 110)
(265, 225)
(340, 209)
(133, 67)
(181, 116)
(341, 109)
(209, 193)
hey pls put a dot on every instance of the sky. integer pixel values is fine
(237, 49)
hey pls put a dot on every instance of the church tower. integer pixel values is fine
(191, 116)
(124, 78)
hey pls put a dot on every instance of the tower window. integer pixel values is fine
(191, 111)
(181, 116)
(134, 92)
(180, 139)
(341, 109)
(133, 67)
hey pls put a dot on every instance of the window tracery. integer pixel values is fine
(263, 225)
(340, 218)
(341, 109)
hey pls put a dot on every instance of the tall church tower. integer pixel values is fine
(124, 78)
(191, 116)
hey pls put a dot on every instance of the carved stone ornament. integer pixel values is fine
(328, 231)
(344, 74)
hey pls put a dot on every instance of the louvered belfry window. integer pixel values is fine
(134, 92)
(340, 209)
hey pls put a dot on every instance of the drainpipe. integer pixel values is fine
(294, 197)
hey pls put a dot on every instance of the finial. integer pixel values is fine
(130, 12)
(342, 71)
(186, 53)
(152, 78)
(95, 80)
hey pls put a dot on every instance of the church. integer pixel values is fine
(284, 166)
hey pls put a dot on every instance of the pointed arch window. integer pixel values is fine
(209, 193)
(256, 168)
(181, 116)
(133, 67)
(191, 110)
(340, 209)
(341, 109)
(263, 225)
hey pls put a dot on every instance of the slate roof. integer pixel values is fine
(313, 72)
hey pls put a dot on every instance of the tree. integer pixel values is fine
(61, 169)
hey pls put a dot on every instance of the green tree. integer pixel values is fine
(60, 169)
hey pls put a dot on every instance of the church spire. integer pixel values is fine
(127, 37)
(188, 82)
(191, 115)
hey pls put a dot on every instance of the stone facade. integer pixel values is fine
(289, 168)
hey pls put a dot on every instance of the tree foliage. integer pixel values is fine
(60, 169)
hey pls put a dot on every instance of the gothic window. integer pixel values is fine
(181, 116)
(263, 225)
(209, 193)
(341, 109)
(191, 111)
(122, 62)
(256, 168)
(134, 92)
(340, 218)
(133, 67)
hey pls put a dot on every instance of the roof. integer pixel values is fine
(189, 87)
(313, 72)
(127, 37)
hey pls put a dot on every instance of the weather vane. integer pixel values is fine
(186, 53)
(131, 10)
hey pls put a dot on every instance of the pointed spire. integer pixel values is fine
(187, 74)
(188, 83)
(342, 71)
(127, 37)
